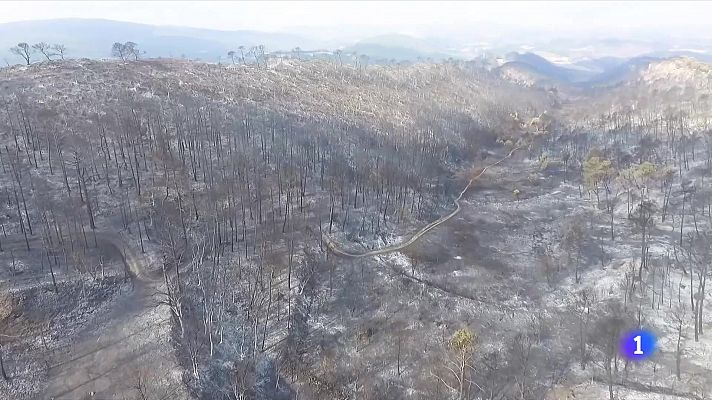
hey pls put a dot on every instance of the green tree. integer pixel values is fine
(458, 362)
(463, 345)
(639, 177)
(597, 174)
(644, 174)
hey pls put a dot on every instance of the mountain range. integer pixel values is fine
(543, 61)
(92, 38)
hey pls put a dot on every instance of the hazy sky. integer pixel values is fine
(417, 18)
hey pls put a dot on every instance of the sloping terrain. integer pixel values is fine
(133, 149)
(239, 230)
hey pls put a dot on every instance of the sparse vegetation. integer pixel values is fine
(283, 228)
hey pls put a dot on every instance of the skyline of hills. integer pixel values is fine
(355, 200)
(557, 60)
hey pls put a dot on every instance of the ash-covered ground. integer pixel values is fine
(174, 229)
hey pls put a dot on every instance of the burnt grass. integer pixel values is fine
(224, 181)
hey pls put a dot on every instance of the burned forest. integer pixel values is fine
(308, 228)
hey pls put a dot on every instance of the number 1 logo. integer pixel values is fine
(638, 345)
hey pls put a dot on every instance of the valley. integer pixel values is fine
(314, 229)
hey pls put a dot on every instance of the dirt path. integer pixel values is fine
(106, 362)
(106, 359)
(131, 345)
(106, 241)
(338, 250)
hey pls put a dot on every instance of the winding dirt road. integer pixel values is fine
(336, 249)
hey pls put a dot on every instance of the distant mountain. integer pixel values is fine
(658, 88)
(600, 64)
(680, 73)
(569, 73)
(621, 71)
(398, 47)
(523, 74)
(700, 55)
(92, 38)
(532, 69)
